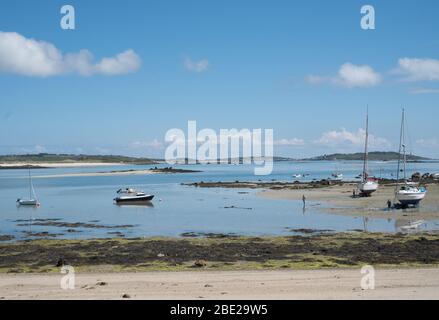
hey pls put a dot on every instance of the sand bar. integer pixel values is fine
(62, 164)
(338, 200)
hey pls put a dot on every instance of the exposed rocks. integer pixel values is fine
(200, 264)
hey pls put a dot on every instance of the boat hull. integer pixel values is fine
(410, 198)
(134, 199)
(31, 202)
(367, 188)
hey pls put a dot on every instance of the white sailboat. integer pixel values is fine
(407, 193)
(32, 200)
(368, 185)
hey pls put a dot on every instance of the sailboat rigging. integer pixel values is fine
(32, 200)
(407, 193)
(368, 185)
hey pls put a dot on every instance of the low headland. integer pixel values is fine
(46, 160)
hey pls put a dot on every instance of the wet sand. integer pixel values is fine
(268, 285)
(338, 200)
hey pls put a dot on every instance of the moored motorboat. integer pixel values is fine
(131, 195)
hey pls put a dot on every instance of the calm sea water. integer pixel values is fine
(177, 208)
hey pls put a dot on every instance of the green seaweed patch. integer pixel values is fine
(327, 250)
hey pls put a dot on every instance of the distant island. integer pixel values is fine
(373, 156)
(48, 158)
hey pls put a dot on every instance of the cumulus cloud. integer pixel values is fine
(29, 57)
(424, 90)
(344, 137)
(428, 143)
(350, 76)
(414, 69)
(147, 144)
(196, 66)
(289, 142)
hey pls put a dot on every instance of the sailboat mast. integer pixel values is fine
(365, 168)
(30, 185)
(400, 147)
(404, 146)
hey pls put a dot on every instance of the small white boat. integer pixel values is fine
(436, 176)
(32, 200)
(337, 176)
(297, 176)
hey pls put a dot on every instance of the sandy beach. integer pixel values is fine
(338, 200)
(61, 164)
(270, 285)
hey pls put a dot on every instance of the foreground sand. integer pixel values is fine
(297, 284)
(339, 200)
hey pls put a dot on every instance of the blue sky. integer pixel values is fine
(304, 68)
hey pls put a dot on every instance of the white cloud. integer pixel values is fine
(424, 90)
(147, 144)
(428, 143)
(289, 142)
(29, 57)
(314, 79)
(196, 66)
(414, 69)
(347, 138)
(350, 76)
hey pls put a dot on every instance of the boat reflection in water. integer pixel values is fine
(147, 204)
(407, 225)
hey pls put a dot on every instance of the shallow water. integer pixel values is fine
(177, 209)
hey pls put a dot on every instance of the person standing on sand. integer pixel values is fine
(389, 204)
